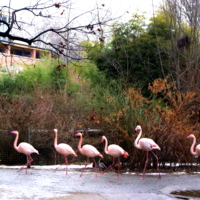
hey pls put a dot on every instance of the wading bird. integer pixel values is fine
(115, 151)
(63, 149)
(147, 145)
(100, 165)
(24, 148)
(197, 149)
(89, 151)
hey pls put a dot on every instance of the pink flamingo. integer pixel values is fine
(89, 151)
(24, 148)
(147, 145)
(115, 151)
(197, 149)
(63, 149)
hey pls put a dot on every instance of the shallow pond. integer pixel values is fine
(42, 182)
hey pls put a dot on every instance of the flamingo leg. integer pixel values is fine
(84, 166)
(157, 164)
(95, 168)
(65, 163)
(118, 170)
(145, 166)
(109, 166)
(29, 160)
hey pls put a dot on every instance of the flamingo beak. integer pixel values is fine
(125, 154)
(76, 135)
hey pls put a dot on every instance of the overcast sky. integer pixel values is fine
(124, 8)
(118, 7)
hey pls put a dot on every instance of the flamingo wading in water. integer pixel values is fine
(89, 151)
(115, 151)
(197, 149)
(63, 149)
(147, 145)
(24, 148)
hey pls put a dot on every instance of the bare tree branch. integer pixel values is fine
(86, 23)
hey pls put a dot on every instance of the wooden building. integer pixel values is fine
(18, 54)
(13, 54)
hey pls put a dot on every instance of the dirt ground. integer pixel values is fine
(42, 182)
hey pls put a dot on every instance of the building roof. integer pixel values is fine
(20, 45)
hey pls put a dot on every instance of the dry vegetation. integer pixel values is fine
(167, 122)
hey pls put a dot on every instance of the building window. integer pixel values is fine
(18, 52)
(27, 54)
(37, 55)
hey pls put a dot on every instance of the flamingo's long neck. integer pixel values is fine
(136, 143)
(80, 143)
(192, 147)
(55, 139)
(15, 142)
(106, 145)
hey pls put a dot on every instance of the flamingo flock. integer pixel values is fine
(147, 145)
(115, 151)
(63, 149)
(24, 148)
(90, 151)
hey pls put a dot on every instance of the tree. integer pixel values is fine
(24, 25)
(132, 55)
(182, 20)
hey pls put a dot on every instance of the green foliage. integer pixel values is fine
(108, 98)
(6, 84)
(159, 26)
(46, 75)
(132, 55)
